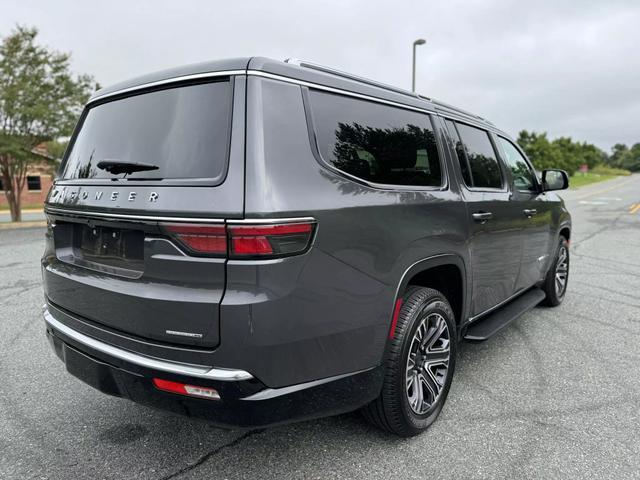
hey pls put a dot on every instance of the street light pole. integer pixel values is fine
(420, 41)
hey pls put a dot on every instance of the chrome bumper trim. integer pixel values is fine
(199, 371)
(270, 393)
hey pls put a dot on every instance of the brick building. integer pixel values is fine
(39, 180)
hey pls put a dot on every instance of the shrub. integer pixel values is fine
(606, 170)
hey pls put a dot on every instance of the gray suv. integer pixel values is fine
(255, 242)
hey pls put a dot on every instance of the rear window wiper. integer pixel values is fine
(117, 167)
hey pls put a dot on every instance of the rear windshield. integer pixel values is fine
(183, 131)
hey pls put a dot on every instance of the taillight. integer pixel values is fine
(244, 240)
(200, 239)
(269, 240)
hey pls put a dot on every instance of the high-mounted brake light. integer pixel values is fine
(244, 240)
(185, 389)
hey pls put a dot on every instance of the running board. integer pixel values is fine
(494, 322)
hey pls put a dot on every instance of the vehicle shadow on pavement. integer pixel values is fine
(162, 445)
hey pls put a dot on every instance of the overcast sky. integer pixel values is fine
(570, 68)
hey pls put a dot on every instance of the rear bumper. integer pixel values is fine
(198, 371)
(244, 401)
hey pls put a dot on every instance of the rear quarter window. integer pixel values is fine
(183, 131)
(374, 142)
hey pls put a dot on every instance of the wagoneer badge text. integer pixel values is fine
(61, 195)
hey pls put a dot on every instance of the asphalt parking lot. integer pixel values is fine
(556, 395)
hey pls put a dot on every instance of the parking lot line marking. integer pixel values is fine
(634, 208)
(592, 202)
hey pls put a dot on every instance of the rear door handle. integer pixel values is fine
(482, 217)
(530, 212)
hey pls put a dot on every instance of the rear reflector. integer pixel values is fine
(185, 389)
(394, 320)
(244, 240)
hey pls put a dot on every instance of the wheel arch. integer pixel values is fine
(446, 273)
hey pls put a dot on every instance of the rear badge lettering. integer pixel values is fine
(60, 195)
(184, 334)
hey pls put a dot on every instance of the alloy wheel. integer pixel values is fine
(427, 363)
(562, 271)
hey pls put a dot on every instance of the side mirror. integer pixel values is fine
(554, 180)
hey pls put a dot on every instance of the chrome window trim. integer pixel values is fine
(199, 371)
(273, 76)
(318, 86)
(256, 73)
(166, 81)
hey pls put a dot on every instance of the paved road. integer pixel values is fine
(556, 395)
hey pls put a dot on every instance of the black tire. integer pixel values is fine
(554, 295)
(422, 308)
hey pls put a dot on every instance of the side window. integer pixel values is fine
(376, 142)
(462, 157)
(523, 176)
(483, 164)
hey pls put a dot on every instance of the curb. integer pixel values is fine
(6, 211)
(20, 225)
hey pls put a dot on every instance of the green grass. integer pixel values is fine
(599, 173)
(578, 179)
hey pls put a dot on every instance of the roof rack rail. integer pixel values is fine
(445, 106)
(340, 73)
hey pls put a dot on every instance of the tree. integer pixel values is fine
(56, 148)
(631, 159)
(561, 153)
(625, 157)
(539, 150)
(40, 100)
(618, 152)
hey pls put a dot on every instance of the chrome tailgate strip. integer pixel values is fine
(210, 373)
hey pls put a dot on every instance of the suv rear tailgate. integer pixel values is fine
(108, 258)
(134, 279)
